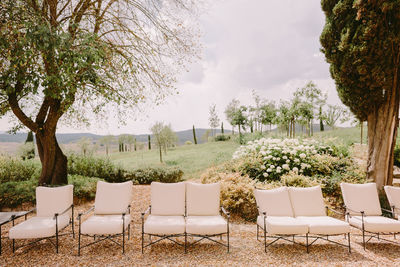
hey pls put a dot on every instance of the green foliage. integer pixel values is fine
(358, 41)
(148, 175)
(95, 167)
(222, 137)
(14, 170)
(84, 187)
(14, 193)
(188, 143)
(397, 156)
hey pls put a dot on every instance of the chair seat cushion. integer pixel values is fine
(283, 225)
(376, 224)
(38, 227)
(206, 225)
(164, 225)
(104, 224)
(324, 225)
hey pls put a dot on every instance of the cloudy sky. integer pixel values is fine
(268, 46)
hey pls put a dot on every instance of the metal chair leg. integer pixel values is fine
(308, 250)
(257, 231)
(363, 234)
(185, 242)
(348, 234)
(13, 245)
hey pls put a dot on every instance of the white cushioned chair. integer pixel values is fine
(393, 196)
(363, 211)
(54, 212)
(309, 208)
(166, 218)
(276, 217)
(203, 213)
(111, 214)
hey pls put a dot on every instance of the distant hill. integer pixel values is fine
(66, 138)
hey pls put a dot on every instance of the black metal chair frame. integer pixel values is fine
(12, 219)
(316, 237)
(160, 237)
(185, 235)
(49, 238)
(209, 237)
(371, 235)
(105, 237)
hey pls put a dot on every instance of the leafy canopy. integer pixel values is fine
(90, 56)
(361, 42)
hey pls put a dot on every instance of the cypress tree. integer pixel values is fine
(194, 136)
(222, 127)
(149, 141)
(321, 122)
(134, 144)
(360, 41)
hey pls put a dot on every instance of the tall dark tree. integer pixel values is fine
(361, 42)
(149, 141)
(194, 136)
(73, 58)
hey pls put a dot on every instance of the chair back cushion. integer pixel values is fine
(202, 199)
(112, 198)
(51, 200)
(275, 202)
(361, 197)
(393, 195)
(168, 198)
(307, 201)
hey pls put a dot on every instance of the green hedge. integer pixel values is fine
(14, 170)
(15, 193)
(103, 168)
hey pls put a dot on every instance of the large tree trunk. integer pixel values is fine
(54, 162)
(382, 133)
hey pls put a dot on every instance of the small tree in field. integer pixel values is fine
(194, 136)
(230, 112)
(335, 113)
(72, 59)
(107, 141)
(84, 144)
(213, 119)
(361, 42)
(164, 136)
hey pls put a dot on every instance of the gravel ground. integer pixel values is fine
(245, 249)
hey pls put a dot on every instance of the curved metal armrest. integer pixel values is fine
(355, 211)
(335, 211)
(148, 210)
(59, 214)
(227, 214)
(86, 212)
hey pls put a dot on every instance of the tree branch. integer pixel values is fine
(28, 122)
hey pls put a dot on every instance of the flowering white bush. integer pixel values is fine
(279, 156)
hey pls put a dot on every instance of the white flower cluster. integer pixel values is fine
(279, 156)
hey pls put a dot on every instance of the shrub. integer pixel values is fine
(222, 137)
(397, 156)
(236, 192)
(188, 143)
(13, 170)
(277, 157)
(84, 187)
(15, 193)
(148, 175)
(95, 167)
(297, 180)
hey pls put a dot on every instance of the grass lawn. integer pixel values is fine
(191, 159)
(346, 136)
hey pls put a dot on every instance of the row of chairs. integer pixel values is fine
(286, 213)
(177, 210)
(192, 210)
